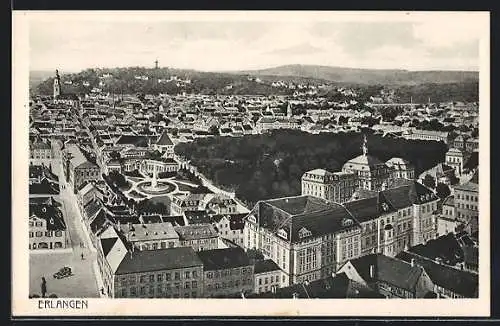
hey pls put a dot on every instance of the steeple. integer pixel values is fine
(365, 146)
(57, 85)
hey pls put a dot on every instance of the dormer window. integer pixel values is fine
(304, 233)
(385, 207)
(347, 222)
(252, 219)
(282, 233)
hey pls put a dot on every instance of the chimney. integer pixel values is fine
(372, 271)
(413, 262)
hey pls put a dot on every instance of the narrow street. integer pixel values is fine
(83, 282)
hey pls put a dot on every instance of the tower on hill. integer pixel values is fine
(156, 64)
(57, 85)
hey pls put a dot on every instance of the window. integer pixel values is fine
(209, 275)
(167, 277)
(186, 285)
(38, 234)
(187, 274)
(260, 281)
(266, 280)
(31, 234)
(143, 290)
(58, 233)
(151, 278)
(195, 275)
(177, 275)
(159, 277)
(194, 284)
(133, 291)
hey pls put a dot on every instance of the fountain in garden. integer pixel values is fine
(155, 187)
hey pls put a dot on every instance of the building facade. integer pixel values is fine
(466, 200)
(150, 236)
(337, 187)
(400, 168)
(395, 218)
(79, 169)
(40, 150)
(199, 236)
(226, 272)
(267, 276)
(390, 277)
(47, 229)
(455, 159)
(304, 251)
(162, 273)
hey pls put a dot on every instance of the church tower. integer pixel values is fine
(57, 85)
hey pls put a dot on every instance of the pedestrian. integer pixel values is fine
(82, 255)
(44, 287)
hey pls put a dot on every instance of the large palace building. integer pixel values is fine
(364, 171)
(309, 237)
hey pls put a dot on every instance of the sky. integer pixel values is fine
(222, 43)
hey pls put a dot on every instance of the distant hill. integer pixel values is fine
(439, 86)
(367, 76)
(37, 76)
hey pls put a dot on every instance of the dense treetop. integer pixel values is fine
(271, 165)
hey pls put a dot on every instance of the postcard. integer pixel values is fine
(232, 163)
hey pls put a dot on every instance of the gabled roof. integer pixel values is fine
(45, 187)
(196, 231)
(291, 214)
(136, 140)
(445, 247)
(151, 231)
(331, 287)
(227, 258)
(158, 260)
(449, 201)
(77, 157)
(455, 280)
(51, 214)
(388, 270)
(264, 266)
(107, 244)
(164, 140)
